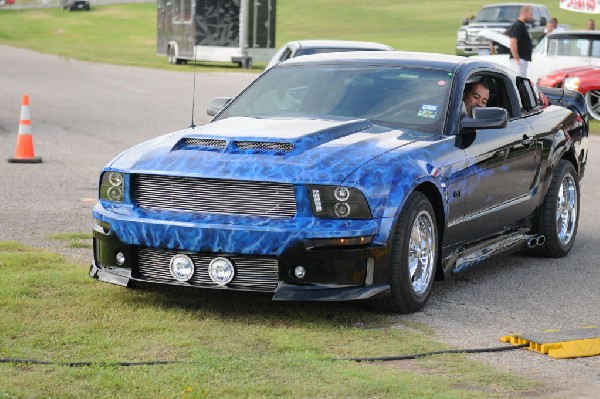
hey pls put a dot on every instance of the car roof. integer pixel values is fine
(580, 33)
(337, 44)
(433, 60)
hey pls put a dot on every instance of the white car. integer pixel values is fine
(557, 51)
(307, 47)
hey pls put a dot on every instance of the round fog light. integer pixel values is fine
(120, 258)
(221, 271)
(299, 271)
(182, 268)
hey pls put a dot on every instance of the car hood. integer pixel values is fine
(283, 150)
(487, 25)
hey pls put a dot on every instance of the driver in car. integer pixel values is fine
(476, 94)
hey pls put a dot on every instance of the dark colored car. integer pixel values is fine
(585, 79)
(74, 5)
(347, 176)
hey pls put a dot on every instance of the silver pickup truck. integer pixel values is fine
(497, 18)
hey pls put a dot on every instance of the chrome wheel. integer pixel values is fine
(421, 255)
(566, 209)
(592, 103)
(413, 259)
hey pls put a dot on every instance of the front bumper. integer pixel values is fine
(468, 49)
(333, 272)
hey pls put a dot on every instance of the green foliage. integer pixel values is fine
(230, 345)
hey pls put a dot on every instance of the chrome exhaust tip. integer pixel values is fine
(541, 240)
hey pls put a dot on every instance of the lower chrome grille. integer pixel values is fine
(251, 273)
(190, 194)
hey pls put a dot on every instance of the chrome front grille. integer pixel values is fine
(190, 194)
(251, 273)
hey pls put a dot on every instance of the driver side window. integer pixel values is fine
(498, 95)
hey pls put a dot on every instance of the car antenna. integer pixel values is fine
(194, 90)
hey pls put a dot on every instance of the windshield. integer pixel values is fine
(396, 97)
(572, 46)
(498, 14)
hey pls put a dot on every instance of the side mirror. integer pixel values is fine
(485, 118)
(216, 104)
(543, 21)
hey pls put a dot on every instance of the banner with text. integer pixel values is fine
(589, 6)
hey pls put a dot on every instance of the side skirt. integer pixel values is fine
(503, 245)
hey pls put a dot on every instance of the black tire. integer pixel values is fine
(559, 215)
(410, 290)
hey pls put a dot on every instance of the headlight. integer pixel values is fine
(461, 36)
(338, 202)
(112, 186)
(571, 84)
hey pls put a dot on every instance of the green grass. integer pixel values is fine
(236, 345)
(74, 240)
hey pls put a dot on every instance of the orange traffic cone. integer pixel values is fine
(24, 151)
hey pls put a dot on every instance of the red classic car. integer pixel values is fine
(585, 80)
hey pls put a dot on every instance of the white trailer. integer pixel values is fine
(239, 31)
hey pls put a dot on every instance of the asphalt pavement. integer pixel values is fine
(84, 114)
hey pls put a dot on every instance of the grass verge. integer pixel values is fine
(74, 240)
(237, 345)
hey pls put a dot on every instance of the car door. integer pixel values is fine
(501, 174)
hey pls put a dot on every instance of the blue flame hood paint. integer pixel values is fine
(325, 151)
(385, 164)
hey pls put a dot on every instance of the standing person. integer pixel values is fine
(520, 41)
(591, 24)
(555, 27)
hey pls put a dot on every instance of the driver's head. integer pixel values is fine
(476, 95)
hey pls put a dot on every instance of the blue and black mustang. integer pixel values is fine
(348, 176)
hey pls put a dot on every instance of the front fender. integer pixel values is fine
(387, 189)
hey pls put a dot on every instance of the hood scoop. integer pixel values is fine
(190, 143)
(234, 147)
(268, 137)
(263, 146)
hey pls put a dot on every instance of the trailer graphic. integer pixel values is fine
(239, 31)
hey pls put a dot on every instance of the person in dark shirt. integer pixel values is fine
(520, 41)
